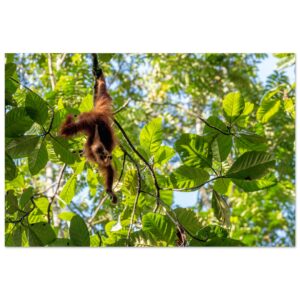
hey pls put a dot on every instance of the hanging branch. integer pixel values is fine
(157, 187)
(55, 192)
(139, 187)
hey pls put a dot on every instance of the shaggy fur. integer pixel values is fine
(97, 125)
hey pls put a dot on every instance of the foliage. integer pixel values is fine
(185, 122)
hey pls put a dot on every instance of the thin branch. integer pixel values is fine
(122, 107)
(192, 114)
(194, 187)
(138, 192)
(157, 188)
(24, 216)
(55, 192)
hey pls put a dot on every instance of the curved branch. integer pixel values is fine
(55, 192)
(157, 187)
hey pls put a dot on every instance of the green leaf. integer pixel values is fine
(66, 215)
(217, 123)
(221, 146)
(224, 242)
(11, 202)
(105, 57)
(233, 106)
(42, 204)
(159, 227)
(251, 142)
(79, 233)
(27, 194)
(267, 110)
(221, 185)
(163, 155)
(22, 146)
(61, 149)
(95, 241)
(61, 242)
(86, 104)
(41, 234)
(289, 107)
(10, 85)
(193, 150)
(68, 191)
(36, 108)
(248, 109)
(251, 165)
(221, 208)
(11, 170)
(188, 177)
(187, 217)
(38, 158)
(17, 122)
(151, 136)
(256, 185)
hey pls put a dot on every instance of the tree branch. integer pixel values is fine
(157, 188)
(52, 78)
(55, 192)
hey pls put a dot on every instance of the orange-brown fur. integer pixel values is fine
(97, 125)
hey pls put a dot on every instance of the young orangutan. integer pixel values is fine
(97, 125)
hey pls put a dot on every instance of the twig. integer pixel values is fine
(194, 187)
(157, 188)
(122, 107)
(138, 192)
(55, 192)
(60, 61)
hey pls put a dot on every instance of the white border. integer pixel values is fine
(153, 26)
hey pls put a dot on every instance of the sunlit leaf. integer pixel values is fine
(38, 158)
(17, 122)
(36, 108)
(194, 150)
(159, 227)
(233, 106)
(151, 136)
(188, 177)
(251, 165)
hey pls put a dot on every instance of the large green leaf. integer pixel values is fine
(250, 141)
(194, 150)
(163, 155)
(38, 158)
(17, 122)
(267, 110)
(256, 185)
(151, 136)
(68, 191)
(105, 57)
(11, 202)
(221, 208)
(214, 122)
(36, 108)
(11, 170)
(187, 217)
(22, 146)
(289, 107)
(79, 233)
(233, 106)
(221, 146)
(251, 165)
(188, 177)
(160, 227)
(61, 242)
(27, 194)
(61, 149)
(221, 185)
(10, 85)
(41, 234)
